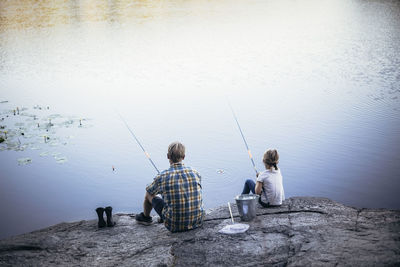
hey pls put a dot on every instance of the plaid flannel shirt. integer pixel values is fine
(180, 188)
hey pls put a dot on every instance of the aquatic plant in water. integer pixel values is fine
(24, 161)
(35, 129)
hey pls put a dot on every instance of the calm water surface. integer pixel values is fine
(318, 80)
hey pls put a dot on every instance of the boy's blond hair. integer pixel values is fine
(271, 158)
(176, 152)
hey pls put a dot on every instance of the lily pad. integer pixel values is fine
(61, 160)
(85, 126)
(22, 147)
(24, 161)
(36, 129)
(68, 123)
(12, 145)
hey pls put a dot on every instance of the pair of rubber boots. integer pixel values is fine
(102, 223)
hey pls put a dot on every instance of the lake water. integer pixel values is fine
(318, 80)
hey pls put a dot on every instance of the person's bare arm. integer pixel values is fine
(258, 188)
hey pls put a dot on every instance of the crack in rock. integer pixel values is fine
(269, 213)
(20, 248)
(291, 250)
(358, 215)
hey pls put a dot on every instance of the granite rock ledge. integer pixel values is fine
(303, 231)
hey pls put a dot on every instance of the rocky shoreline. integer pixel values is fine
(304, 231)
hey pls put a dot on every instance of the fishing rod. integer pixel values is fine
(265, 205)
(137, 141)
(244, 139)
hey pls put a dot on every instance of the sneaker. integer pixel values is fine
(142, 219)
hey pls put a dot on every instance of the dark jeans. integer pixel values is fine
(158, 205)
(249, 185)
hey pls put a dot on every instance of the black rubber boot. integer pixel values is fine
(102, 222)
(110, 222)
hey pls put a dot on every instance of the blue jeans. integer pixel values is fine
(158, 205)
(249, 185)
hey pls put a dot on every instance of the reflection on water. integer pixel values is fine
(318, 80)
(37, 14)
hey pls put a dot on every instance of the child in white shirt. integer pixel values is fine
(269, 182)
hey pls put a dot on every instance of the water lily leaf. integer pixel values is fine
(85, 126)
(24, 161)
(12, 145)
(61, 160)
(36, 129)
(21, 148)
(55, 116)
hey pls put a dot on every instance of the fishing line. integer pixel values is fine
(137, 141)
(248, 151)
(244, 139)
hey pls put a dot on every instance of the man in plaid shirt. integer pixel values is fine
(181, 205)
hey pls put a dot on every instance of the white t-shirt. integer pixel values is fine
(272, 185)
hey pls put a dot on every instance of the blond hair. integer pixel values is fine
(271, 158)
(176, 152)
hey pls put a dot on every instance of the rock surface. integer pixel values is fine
(304, 231)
